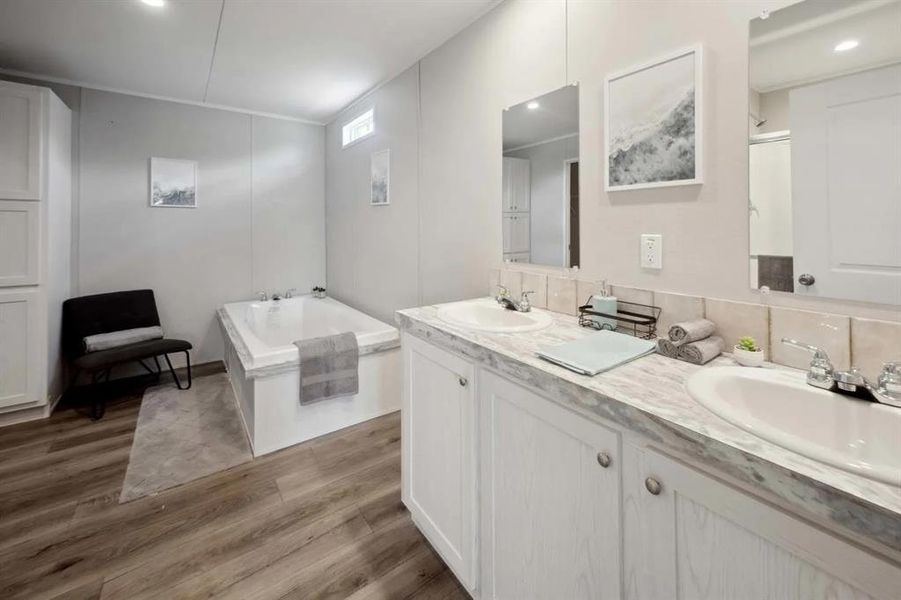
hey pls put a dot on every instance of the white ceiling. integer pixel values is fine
(306, 59)
(795, 45)
(557, 115)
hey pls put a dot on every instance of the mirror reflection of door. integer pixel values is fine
(825, 150)
(572, 189)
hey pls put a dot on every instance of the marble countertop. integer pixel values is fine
(648, 397)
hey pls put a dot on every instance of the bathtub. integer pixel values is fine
(263, 367)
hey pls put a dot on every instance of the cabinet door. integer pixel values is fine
(19, 350)
(702, 539)
(508, 232)
(438, 452)
(550, 501)
(19, 243)
(20, 141)
(519, 232)
(517, 185)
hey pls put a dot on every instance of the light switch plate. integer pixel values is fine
(651, 251)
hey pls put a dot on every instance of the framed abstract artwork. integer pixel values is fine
(653, 123)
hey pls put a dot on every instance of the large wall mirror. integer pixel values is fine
(825, 150)
(540, 201)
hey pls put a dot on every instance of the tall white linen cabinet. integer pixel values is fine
(35, 247)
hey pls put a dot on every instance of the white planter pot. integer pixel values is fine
(747, 358)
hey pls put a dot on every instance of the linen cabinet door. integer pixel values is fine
(19, 242)
(687, 535)
(19, 350)
(520, 233)
(550, 499)
(20, 141)
(438, 421)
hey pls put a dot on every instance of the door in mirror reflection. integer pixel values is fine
(825, 150)
(540, 197)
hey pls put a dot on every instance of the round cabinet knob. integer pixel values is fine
(807, 279)
(604, 459)
(463, 381)
(653, 486)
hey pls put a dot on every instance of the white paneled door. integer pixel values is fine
(846, 186)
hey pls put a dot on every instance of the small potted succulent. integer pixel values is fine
(747, 353)
(319, 292)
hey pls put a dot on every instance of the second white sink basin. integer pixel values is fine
(855, 435)
(488, 315)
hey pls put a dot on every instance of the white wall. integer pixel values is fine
(258, 224)
(373, 251)
(549, 204)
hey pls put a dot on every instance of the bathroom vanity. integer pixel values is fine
(535, 482)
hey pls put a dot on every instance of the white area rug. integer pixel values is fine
(183, 435)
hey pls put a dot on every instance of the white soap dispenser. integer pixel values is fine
(603, 302)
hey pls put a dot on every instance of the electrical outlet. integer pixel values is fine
(651, 251)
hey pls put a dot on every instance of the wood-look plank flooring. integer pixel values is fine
(322, 519)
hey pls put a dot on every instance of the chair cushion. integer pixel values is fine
(103, 313)
(114, 356)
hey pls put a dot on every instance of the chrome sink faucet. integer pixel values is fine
(822, 374)
(503, 298)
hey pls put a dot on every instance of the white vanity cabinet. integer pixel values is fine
(526, 499)
(549, 501)
(438, 444)
(688, 535)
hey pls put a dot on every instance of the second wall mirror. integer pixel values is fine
(540, 201)
(825, 150)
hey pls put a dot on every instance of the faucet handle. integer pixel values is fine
(889, 381)
(262, 296)
(289, 293)
(525, 295)
(503, 292)
(820, 373)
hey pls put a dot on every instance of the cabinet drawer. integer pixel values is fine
(19, 243)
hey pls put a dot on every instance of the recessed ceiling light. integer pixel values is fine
(155, 3)
(532, 105)
(846, 45)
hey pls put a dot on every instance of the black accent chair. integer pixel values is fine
(117, 311)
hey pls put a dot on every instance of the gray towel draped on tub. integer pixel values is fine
(328, 367)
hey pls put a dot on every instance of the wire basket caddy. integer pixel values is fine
(633, 318)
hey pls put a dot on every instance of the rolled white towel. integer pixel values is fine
(668, 348)
(702, 351)
(692, 331)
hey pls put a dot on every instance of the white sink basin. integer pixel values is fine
(488, 315)
(855, 435)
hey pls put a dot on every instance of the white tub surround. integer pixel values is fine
(626, 467)
(263, 367)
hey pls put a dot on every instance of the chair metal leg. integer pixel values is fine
(175, 377)
(98, 403)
